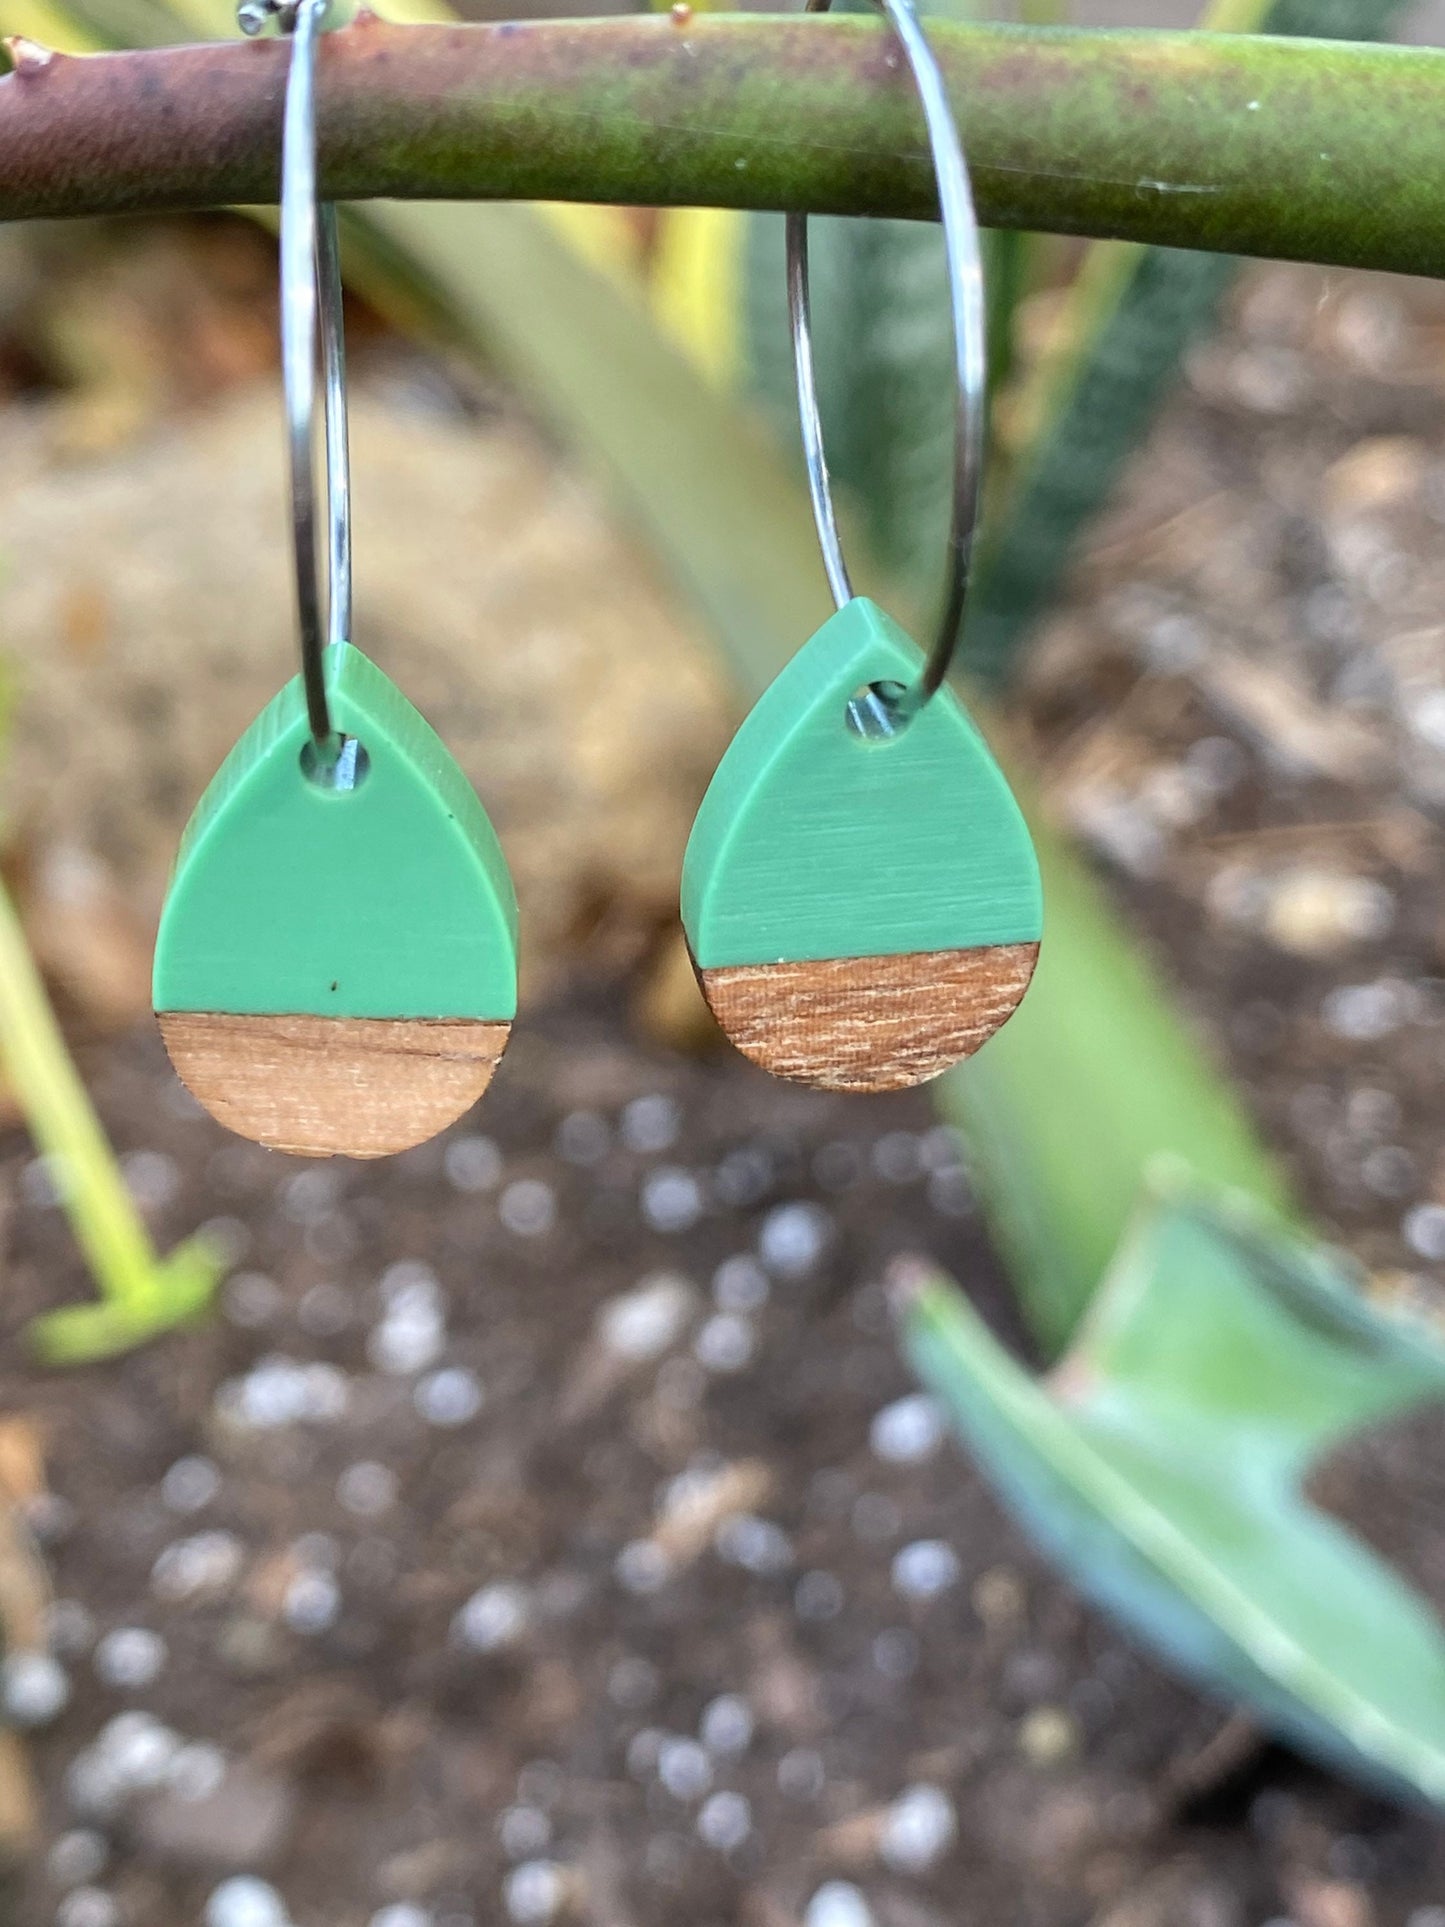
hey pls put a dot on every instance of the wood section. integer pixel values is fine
(360, 1087)
(869, 1023)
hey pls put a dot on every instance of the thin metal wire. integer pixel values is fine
(963, 251)
(311, 284)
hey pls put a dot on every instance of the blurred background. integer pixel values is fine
(545, 1525)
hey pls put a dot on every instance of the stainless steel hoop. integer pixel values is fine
(966, 294)
(311, 280)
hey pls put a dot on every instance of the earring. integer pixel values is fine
(860, 893)
(336, 966)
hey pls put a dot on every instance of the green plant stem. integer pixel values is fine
(60, 1116)
(1318, 151)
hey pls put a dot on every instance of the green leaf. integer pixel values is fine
(1162, 1463)
(141, 1293)
(883, 349)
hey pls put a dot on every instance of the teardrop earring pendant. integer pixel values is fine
(336, 969)
(860, 892)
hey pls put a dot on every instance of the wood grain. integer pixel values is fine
(361, 1087)
(869, 1023)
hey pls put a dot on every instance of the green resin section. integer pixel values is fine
(813, 842)
(391, 899)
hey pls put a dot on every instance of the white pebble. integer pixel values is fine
(528, 1208)
(583, 1138)
(642, 1751)
(472, 1164)
(683, 1768)
(907, 1431)
(401, 1913)
(190, 1484)
(309, 1196)
(921, 1826)
(650, 1124)
(318, 1549)
(138, 1748)
(642, 1567)
(206, 1563)
(33, 1688)
(244, 1901)
(925, 1568)
(724, 1821)
(725, 1343)
(494, 1617)
(743, 1176)
(671, 1199)
(312, 1603)
(408, 1338)
(43, 1181)
(641, 1325)
(838, 1903)
(758, 1545)
(726, 1726)
(793, 1238)
(524, 1831)
(740, 1285)
(251, 1300)
(77, 1858)
(130, 1658)
(93, 1787)
(281, 1391)
(897, 1157)
(1365, 1012)
(197, 1771)
(152, 1178)
(411, 1282)
(941, 1149)
(534, 1893)
(951, 1194)
(1424, 1230)
(88, 1907)
(228, 1238)
(451, 1396)
(367, 1489)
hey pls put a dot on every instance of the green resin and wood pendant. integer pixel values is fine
(861, 901)
(336, 970)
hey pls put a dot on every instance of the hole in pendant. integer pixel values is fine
(339, 765)
(879, 712)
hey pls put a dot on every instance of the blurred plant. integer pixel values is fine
(141, 1293)
(882, 335)
(1114, 353)
(1163, 1463)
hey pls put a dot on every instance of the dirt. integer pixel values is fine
(506, 1667)
(405, 1766)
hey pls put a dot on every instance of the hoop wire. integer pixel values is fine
(966, 296)
(311, 284)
